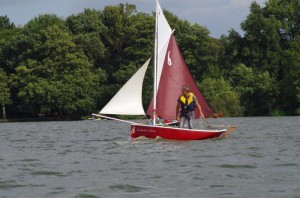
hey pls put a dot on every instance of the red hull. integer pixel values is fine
(149, 131)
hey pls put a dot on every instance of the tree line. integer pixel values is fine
(71, 67)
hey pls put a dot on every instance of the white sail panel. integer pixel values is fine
(128, 100)
(164, 32)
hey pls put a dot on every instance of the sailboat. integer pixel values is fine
(170, 73)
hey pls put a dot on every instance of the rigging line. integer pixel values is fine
(111, 118)
(200, 124)
(225, 123)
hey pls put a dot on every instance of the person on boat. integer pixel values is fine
(187, 102)
(150, 121)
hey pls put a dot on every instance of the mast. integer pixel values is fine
(155, 65)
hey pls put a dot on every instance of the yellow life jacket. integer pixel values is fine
(187, 104)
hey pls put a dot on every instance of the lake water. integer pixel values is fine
(92, 159)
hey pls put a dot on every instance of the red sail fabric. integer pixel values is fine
(174, 75)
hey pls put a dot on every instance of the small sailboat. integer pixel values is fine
(170, 73)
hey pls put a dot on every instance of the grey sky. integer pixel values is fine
(218, 16)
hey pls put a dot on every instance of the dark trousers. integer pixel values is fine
(189, 116)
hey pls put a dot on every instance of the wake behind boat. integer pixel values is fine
(170, 73)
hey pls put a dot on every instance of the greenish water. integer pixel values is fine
(92, 159)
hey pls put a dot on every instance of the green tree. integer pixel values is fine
(298, 99)
(7, 32)
(290, 83)
(4, 92)
(5, 23)
(137, 48)
(256, 90)
(221, 97)
(287, 13)
(139, 43)
(230, 55)
(262, 48)
(54, 76)
(116, 20)
(87, 28)
(88, 21)
(269, 46)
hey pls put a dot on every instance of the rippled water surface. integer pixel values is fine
(92, 159)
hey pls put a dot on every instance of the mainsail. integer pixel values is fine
(128, 101)
(171, 73)
(175, 74)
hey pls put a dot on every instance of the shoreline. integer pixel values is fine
(36, 120)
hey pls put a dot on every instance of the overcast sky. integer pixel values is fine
(218, 16)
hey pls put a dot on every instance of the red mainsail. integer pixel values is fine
(175, 74)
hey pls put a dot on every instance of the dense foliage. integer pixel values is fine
(71, 67)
